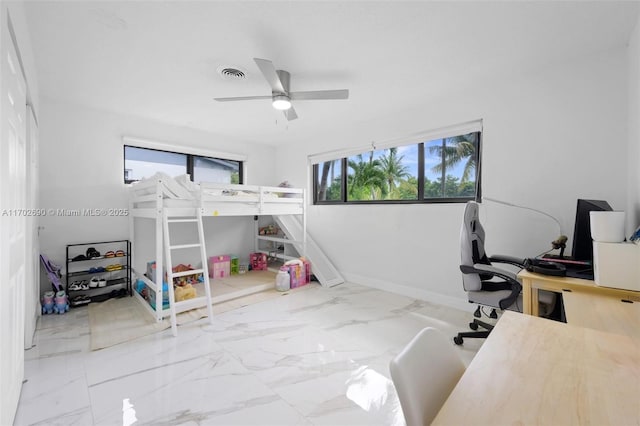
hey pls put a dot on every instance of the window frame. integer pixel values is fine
(189, 164)
(420, 177)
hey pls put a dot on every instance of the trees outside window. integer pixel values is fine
(439, 170)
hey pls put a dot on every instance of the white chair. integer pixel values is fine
(424, 374)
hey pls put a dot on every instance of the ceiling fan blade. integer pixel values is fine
(241, 98)
(290, 114)
(269, 72)
(320, 94)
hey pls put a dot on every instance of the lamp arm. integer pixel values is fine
(526, 208)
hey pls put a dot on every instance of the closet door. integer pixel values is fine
(32, 281)
(12, 226)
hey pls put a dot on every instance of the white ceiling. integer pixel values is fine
(159, 59)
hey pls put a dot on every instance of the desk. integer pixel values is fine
(532, 283)
(604, 313)
(534, 371)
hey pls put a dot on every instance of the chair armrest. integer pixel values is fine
(510, 278)
(492, 270)
(499, 258)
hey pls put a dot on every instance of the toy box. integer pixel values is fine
(300, 273)
(151, 270)
(150, 295)
(258, 261)
(219, 266)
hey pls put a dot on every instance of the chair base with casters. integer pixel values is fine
(547, 303)
(458, 340)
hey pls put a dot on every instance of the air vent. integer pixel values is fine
(232, 73)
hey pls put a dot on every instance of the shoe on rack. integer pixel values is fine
(102, 282)
(75, 286)
(93, 283)
(110, 254)
(92, 252)
(114, 267)
(119, 253)
(84, 285)
(81, 299)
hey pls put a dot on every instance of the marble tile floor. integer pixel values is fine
(316, 357)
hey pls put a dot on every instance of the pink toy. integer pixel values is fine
(61, 302)
(47, 302)
(219, 266)
(299, 271)
(258, 261)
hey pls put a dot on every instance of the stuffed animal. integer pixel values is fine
(47, 302)
(184, 292)
(61, 303)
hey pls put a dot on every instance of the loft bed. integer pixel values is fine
(162, 197)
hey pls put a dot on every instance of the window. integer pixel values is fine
(450, 167)
(439, 170)
(142, 163)
(328, 181)
(206, 169)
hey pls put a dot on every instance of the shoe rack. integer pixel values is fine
(98, 271)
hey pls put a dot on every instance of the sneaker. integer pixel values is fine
(81, 299)
(92, 252)
(75, 286)
(93, 283)
(102, 282)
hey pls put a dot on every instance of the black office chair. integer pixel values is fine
(485, 284)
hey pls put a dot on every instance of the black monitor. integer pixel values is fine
(582, 242)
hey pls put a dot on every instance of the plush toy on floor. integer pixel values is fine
(184, 292)
(47, 302)
(61, 303)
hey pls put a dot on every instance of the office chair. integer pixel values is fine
(485, 284)
(424, 374)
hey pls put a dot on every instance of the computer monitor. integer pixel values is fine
(582, 242)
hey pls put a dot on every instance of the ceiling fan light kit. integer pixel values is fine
(280, 95)
(281, 102)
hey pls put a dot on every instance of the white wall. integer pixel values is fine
(81, 155)
(551, 136)
(633, 78)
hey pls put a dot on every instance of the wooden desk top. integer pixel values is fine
(524, 274)
(535, 371)
(604, 313)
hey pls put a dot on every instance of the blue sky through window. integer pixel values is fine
(410, 160)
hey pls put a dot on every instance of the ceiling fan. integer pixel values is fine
(281, 97)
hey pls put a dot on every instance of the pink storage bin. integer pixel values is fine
(300, 274)
(219, 266)
(258, 261)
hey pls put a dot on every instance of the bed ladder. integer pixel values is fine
(167, 221)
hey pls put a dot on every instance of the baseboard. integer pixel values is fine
(405, 290)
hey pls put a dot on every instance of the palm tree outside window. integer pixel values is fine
(440, 170)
